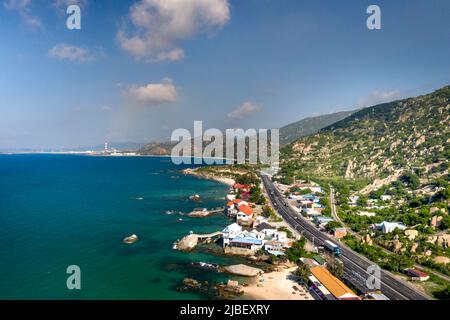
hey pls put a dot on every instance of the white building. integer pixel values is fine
(385, 197)
(353, 201)
(230, 232)
(231, 197)
(387, 227)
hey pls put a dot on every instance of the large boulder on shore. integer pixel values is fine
(188, 243)
(243, 270)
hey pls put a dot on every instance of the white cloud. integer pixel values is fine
(244, 110)
(154, 93)
(377, 97)
(158, 25)
(106, 108)
(23, 8)
(73, 53)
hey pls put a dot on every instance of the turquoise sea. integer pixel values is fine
(61, 210)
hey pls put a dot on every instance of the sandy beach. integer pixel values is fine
(224, 180)
(278, 285)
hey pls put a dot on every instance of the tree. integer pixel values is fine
(411, 180)
(305, 191)
(443, 294)
(297, 250)
(335, 267)
(332, 225)
(267, 211)
(288, 232)
(302, 272)
(248, 178)
(362, 201)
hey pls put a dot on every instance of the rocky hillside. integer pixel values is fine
(157, 148)
(288, 133)
(378, 142)
(308, 126)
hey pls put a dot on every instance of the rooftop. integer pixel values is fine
(333, 284)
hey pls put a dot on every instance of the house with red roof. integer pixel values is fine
(232, 206)
(245, 195)
(241, 187)
(244, 215)
(417, 274)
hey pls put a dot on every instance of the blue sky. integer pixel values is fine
(139, 69)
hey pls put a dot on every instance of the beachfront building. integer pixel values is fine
(230, 197)
(335, 289)
(230, 232)
(236, 240)
(246, 243)
(233, 205)
(237, 187)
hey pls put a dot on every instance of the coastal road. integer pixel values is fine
(355, 265)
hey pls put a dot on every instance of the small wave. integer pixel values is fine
(207, 266)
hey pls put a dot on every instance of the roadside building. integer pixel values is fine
(417, 275)
(309, 262)
(333, 285)
(318, 290)
(322, 220)
(339, 233)
(319, 259)
(375, 296)
(311, 212)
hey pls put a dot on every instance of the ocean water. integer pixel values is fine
(61, 210)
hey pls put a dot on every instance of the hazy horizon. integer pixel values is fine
(137, 70)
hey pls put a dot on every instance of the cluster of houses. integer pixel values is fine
(250, 233)
(371, 203)
(308, 204)
(247, 241)
(238, 205)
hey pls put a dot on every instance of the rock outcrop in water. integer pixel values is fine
(131, 239)
(188, 243)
